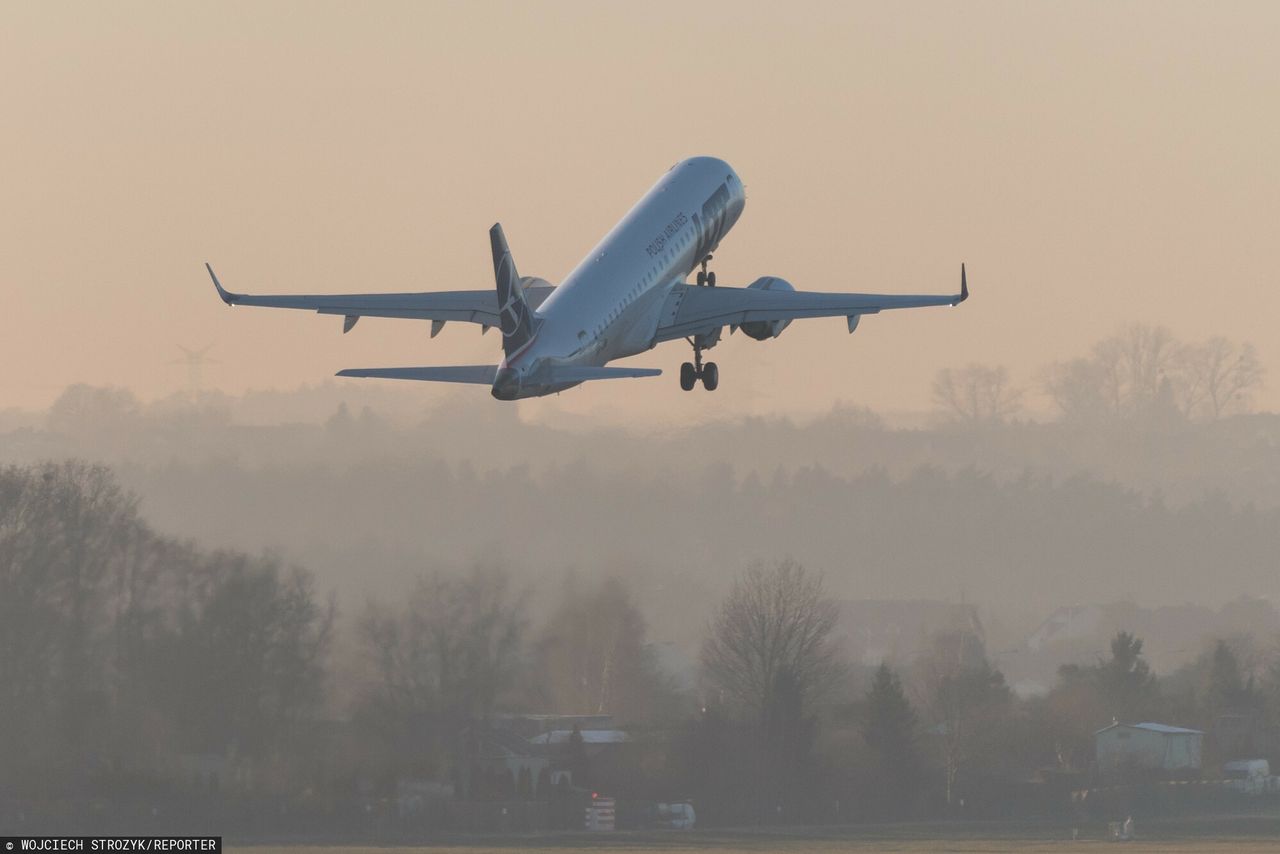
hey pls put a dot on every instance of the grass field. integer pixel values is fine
(1246, 835)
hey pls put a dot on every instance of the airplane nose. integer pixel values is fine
(506, 384)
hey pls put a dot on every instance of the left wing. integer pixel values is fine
(693, 310)
(438, 306)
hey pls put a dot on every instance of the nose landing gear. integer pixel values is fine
(691, 372)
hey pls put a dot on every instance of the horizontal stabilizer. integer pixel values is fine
(573, 374)
(478, 374)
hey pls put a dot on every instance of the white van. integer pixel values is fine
(1247, 776)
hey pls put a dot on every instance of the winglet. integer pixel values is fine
(964, 286)
(227, 297)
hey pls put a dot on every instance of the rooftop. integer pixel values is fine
(1154, 727)
(589, 736)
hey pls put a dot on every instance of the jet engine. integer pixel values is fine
(762, 330)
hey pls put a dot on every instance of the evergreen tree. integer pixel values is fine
(889, 729)
(788, 744)
(1125, 680)
(1228, 687)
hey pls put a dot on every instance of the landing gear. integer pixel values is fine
(691, 372)
(688, 376)
(705, 278)
(710, 376)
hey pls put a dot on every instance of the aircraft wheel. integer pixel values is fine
(710, 376)
(688, 376)
(702, 278)
(711, 280)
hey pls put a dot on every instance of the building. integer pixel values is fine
(506, 767)
(594, 741)
(525, 756)
(531, 725)
(1148, 749)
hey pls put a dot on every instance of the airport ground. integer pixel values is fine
(1208, 835)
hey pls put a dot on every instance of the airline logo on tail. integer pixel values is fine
(514, 317)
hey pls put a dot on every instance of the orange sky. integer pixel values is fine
(1094, 163)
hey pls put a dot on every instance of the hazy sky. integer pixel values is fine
(1094, 163)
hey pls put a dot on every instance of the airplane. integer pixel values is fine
(627, 296)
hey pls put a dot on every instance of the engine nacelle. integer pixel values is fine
(762, 330)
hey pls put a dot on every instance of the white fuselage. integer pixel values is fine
(610, 305)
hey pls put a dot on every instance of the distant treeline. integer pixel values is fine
(1027, 543)
(1016, 515)
(1141, 408)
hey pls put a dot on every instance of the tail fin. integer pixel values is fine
(515, 317)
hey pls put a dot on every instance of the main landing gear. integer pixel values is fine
(705, 278)
(691, 372)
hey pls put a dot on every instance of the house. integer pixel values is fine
(532, 725)
(505, 767)
(1148, 749)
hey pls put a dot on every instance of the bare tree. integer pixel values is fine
(964, 697)
(246, 663)
(977, 394)
(124, 646)
(443, 661)
(66, 531)
(84, 409)
(593, 655)
(1143, 372)
(773, 630)
(769, 656)
(1218, 377)
(1075, 387)
(1128, 375)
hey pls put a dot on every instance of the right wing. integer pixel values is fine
(439, 306)
(692, 310)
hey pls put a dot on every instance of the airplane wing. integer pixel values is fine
(485, 374)
(475, 374)
(438, 306)
(692, 310)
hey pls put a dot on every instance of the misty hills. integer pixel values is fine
(1175, 458)
(1019, 517)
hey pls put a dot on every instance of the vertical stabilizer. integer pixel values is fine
(515, 318)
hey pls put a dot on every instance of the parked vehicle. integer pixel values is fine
(1248, 776)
